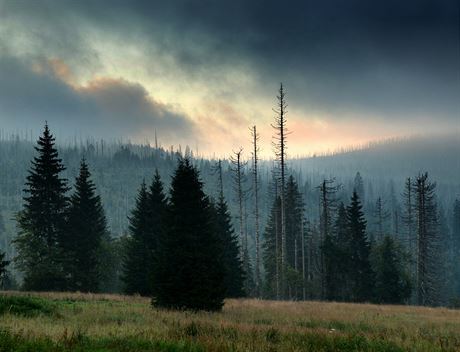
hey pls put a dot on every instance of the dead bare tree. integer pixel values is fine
(279, 146)
(238, 166)
(427, 248)
(381, 216)
(255, 160)
(237, 169)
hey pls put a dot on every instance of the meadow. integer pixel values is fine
(91, 322)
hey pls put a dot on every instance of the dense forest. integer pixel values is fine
(377, 223)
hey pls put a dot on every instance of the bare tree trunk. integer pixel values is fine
(280, 152)
(255, 138)
(303, 259)
(239, 190)
(221, 182)
(277, 246)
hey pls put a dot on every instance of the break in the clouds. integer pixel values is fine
(104, 107)
(203, 71)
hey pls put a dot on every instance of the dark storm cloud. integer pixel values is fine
(105, 107)
(393, 58)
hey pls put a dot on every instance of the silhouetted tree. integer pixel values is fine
(271, 248)
(428, 250)
(41, 223)
(255, 173)
(190, 270)
(381, 216)
(456, 248)
(280, 147)
(157, 209)
(361, 274)
(138, 256)
(147, 225)
(238, 181)
(234, 272)
(327, 201)
(294, 233)
(3, 271)
(86, 228)
(359, 187)
(392, 284)
(335, 247)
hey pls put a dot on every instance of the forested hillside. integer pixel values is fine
(118, 169)
(378, 170)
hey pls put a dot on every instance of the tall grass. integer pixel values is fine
(105, 322)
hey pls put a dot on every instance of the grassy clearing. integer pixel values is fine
(119, 323)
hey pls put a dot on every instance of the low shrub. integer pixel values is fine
(25, 306)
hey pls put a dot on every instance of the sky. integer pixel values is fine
(200, 73)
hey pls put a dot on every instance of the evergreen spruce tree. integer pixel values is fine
(294, 218)
(157, 207)
(456, 249)
(337, 252)
(381, 216)
(392, 284)
(3, 271)
(271, 251)
(3, 234)
(341, 262)
(138, 257)
(360, 270)
(327, 201)
(189, 271)
(42, 221)
(359, 187)
(428, 259)
(87, 228)
(234, 272)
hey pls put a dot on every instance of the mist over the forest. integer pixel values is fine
(118, 170)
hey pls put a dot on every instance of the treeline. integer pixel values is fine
(294, 238)
(182, 250)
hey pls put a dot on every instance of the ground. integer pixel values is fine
(87, 322)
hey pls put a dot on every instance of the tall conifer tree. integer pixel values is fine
(87, 228)
(138, 257)
(392, 284)
(428, 249)
(190, 269)
(3, 271)
(271, 251)
(41, 223)
(456, 248)
(157, 207)
(234, 273)
(361, 273)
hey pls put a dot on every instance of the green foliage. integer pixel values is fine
(41, 223)
(146, 228)
(234, 274)
(111, 254)
(456, 248)
(271, 249)
(360, 270)
(189, 271)
(85, 231)
(392, 283)
(336, 247)
(80, 343)
(25, 306)
(3, 271)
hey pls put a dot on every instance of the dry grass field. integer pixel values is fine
(87, 322)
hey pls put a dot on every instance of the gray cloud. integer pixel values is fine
(108, 108)
(397, 59)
